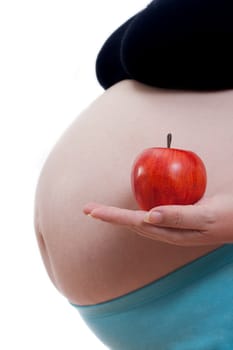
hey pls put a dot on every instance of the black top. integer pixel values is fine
(174, 44)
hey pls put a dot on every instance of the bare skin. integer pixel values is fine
(91, 261)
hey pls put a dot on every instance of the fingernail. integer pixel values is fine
(153, 217)
(92, 216)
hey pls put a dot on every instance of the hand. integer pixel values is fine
(208, 222)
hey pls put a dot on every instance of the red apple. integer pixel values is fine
(164, 176)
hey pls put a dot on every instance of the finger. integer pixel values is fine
(87, 209)
(119, 216)
(192, 217)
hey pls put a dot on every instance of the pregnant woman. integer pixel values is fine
(143, 281)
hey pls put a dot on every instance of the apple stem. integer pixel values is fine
(169, 140)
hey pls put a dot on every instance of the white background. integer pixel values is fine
(47, 77)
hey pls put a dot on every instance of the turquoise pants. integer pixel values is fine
(189, 309)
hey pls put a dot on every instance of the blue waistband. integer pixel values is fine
(174, 281)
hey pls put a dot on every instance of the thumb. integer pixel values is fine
(192, 217)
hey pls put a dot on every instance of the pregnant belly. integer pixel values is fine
(91, 261)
